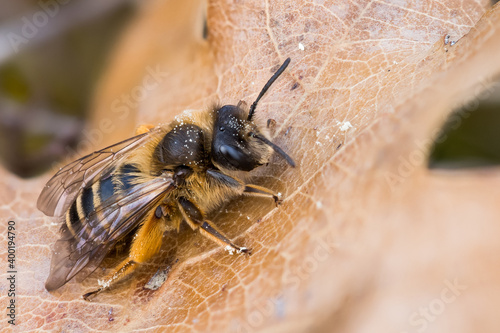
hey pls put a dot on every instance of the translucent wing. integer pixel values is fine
(62, 189)
(86, 246)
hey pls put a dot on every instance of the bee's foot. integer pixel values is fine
(245, 250)
(277, 200)
(89, 294)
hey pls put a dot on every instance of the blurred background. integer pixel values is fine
(51, 57)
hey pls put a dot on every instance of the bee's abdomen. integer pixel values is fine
(86, 200)
(83, 215)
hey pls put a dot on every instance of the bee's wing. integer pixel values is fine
(101, 229)
(62, 189)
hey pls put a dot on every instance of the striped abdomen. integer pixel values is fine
(96, 196)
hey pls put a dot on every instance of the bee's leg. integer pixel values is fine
(247, 189)
(143, 128)
(259, 191)
(195, 218)
(181, 173)
(146, 244)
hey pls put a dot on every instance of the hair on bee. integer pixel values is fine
(153, 182)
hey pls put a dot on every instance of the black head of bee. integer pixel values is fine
(238, 143)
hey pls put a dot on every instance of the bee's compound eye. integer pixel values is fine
(232, 154)
(236, 158)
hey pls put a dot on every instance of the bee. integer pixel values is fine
(150, 183)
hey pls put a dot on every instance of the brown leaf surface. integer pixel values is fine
(367, 235)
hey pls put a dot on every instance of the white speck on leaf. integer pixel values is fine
(446, 39)
(345, 126)
(229, 249)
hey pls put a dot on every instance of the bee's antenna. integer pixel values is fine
(276, 149)
(266, 87)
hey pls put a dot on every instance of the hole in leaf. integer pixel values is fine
(471, 135)
(205, 28)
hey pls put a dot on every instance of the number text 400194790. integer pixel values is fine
(11, 272)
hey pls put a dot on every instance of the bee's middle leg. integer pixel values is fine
(146, 244)
(196, 220)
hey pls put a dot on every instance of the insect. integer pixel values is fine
(152, 182)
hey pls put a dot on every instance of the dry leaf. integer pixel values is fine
(368, 239)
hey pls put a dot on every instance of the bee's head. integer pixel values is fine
(234, 144)
(238, 143)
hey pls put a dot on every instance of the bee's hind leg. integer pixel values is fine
(195, 218)
(146, 244)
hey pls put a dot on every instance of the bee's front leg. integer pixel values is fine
(260, 191)
(196, 219)
(246, 189)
